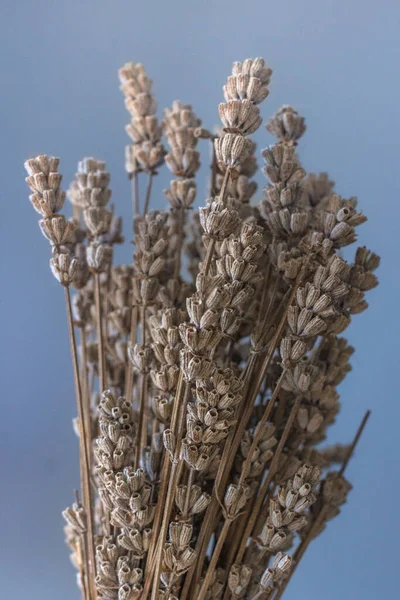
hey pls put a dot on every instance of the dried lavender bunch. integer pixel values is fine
(202, 402)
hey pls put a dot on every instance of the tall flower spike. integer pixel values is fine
(240, 115)
(48, 199)
(147, 152)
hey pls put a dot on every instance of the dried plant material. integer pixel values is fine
(202, 402)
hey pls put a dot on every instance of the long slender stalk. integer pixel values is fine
(131, 342)
(148, 193)
(83, 453)
(135, 193)
(213, 167)
(355, 441)
(86, 398)
(142, 396)
(216, 554)
(100, 334)
(178, 251)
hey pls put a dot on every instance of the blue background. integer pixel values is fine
(335, 61)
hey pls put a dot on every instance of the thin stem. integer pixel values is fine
(263, 296)
(214, 560)
(132, 341)
(148, 193)
(135, 193)
(213, 170)
(100, 336)
(86, 397)
(224, 185)
(142, 397)
(181, 236)
(355, 442)
(82, 574)
(209, 256)
(265, 594)
(83, 453)
(160, 508)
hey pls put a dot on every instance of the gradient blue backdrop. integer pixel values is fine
(338, 63)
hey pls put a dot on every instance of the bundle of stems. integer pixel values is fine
(206, 371)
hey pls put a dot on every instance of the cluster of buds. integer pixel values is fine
(180, 124)
(287, 510)
(114, 444)
(130, 495)
(195, 504)
(276, 573)
(242, 188)
(89, 193)
(336, 222)
(151, 241)
(238, 265)
(262, 453)
(333, 494)
(240, 115)
(282, 206)
(116, 432)
(147, 152)
(361, 279)
(334, 354)
(210, 416)
(319, 400)
(121, 299)
(166, 347)
(215, 310)
(316, 189)
(238, 580)
(316, 309)
(235, 499)
(178, 553)
(116, 578)
(74, 531)
(48, 199)
(287, 125)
